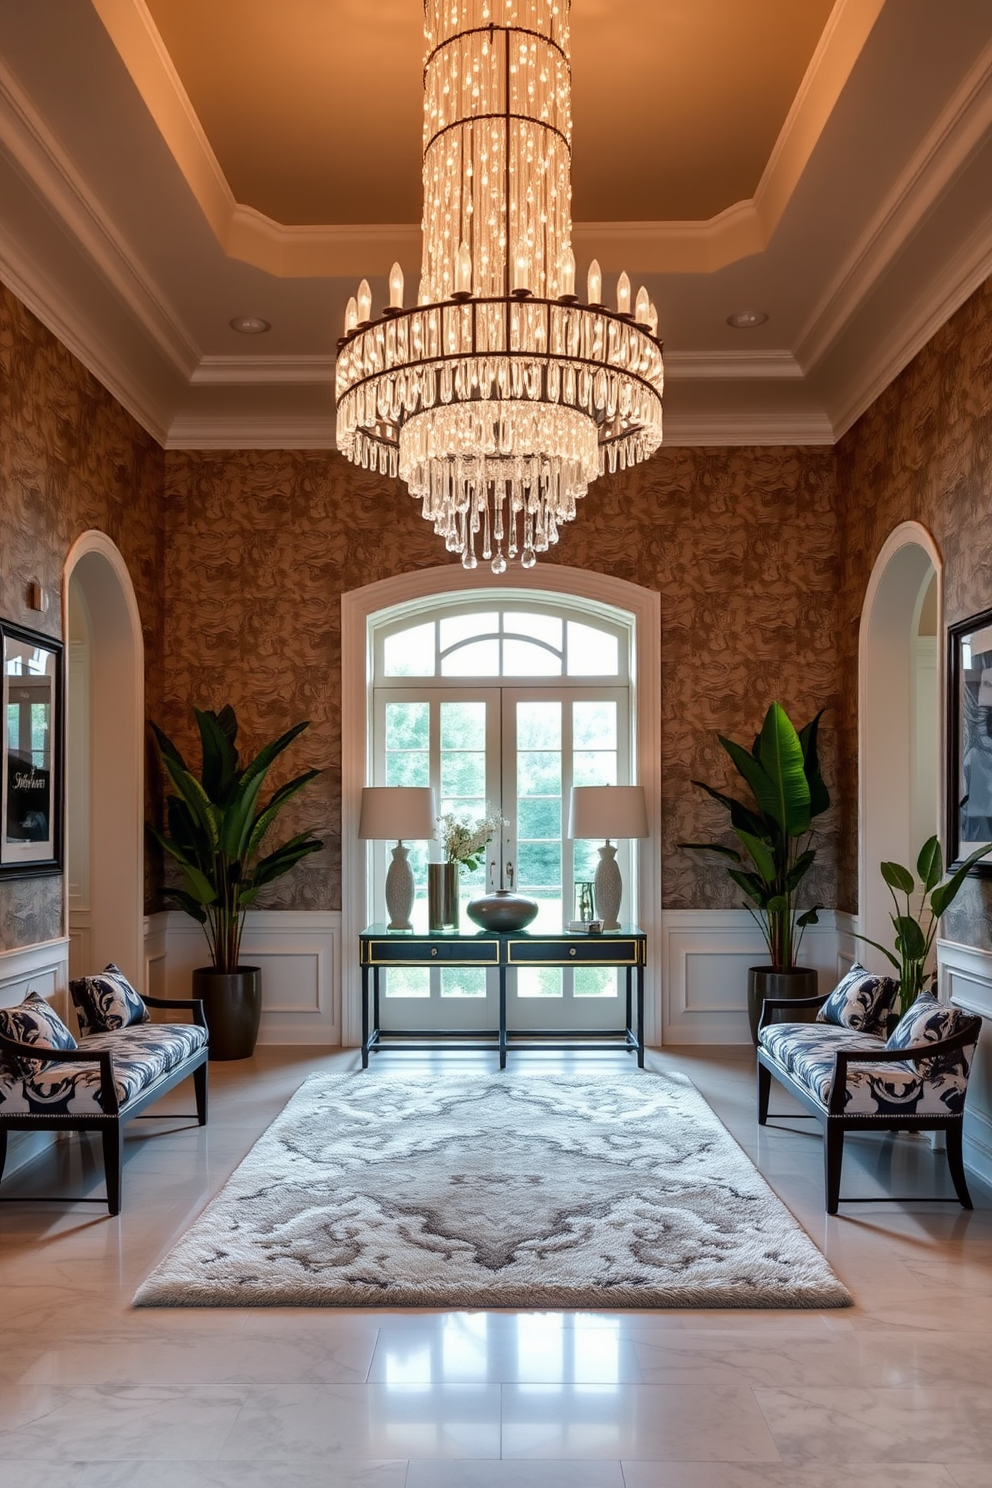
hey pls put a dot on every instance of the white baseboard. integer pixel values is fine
(299, 952)
(705, 955)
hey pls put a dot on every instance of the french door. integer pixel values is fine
(517, 747)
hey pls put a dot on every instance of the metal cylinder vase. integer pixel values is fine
(442, 896)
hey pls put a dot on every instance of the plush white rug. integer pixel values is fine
(519, 1191)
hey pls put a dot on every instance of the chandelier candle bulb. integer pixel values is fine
(653, 319)
(351, 316)
(498, 414)
(623, 294)
(642, 308)
(396, 287)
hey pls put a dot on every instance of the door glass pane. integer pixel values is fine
(539, 788)
(594, 725)
(407, 744)
(538, 725)
(540, 817)
(539, 981)
(409, 653)
(547, 628)
(592, 652)
(455, 628)
(408, 981)
(594, 981)
(463, 981)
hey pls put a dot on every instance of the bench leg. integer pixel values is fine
(113, 1154)
(833, 1157)
(955, 1161)
(200, 1090)
(764, 1091)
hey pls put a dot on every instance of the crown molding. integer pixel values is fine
(193, 432)
(40, 160)
(685, 366)
(942, 155)
(706, 430)
(60, 316)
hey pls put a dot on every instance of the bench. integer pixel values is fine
(851, 1078)
(109, 1078)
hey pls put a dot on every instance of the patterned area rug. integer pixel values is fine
(495, 1191)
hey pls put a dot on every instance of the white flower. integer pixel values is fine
(463, 841)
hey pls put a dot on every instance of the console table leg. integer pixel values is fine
(640, 1015)
(502, 1017)
(365, 1017)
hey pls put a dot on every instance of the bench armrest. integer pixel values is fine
(775, 1004)
(103, 1057)
(915, 1054)
(191, 1004)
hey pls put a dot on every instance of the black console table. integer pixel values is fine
(625, 948)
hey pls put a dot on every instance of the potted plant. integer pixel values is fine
(774, 852)
(915, 933)
(464, 844)
(217, 826)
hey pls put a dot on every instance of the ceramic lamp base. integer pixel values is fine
(400, 890)
(608, 888)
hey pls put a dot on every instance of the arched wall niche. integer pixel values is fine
(900, 750)
(105, 799)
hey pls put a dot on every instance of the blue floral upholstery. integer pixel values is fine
(806, 1051)
(860, 1000)
(141, 1054)
(33, 1021)
(106, 1002)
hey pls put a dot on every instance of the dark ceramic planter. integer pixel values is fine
(765, 981)
(232, 1005)
(502, 911)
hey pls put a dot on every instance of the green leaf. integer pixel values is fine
(910, 939)
(946, 893)
(778, 905)
(202, 890)
(166, 749)
(930, 864)
(810, 917)
(187, 903)
(262, 762)
(284, 858)
(711, 847)
(898, 877)
(799, 869)
(884, 950)
(819, 796)
(751, 885)
(267, 816)
(741, 816)
(782, 760)
(220, 758)
(760, 855)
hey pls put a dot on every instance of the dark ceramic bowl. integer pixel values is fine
(502, 911)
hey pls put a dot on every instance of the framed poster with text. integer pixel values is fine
(31, 772)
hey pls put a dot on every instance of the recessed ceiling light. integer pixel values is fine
(746, 320)
(250, 325)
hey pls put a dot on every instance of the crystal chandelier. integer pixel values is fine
(500, 396)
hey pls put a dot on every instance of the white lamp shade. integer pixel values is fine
(607, 811)
(393, 813)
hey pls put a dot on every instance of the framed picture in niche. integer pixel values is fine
(31, 772)
(969, 739)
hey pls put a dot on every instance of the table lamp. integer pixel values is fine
(607, 811)
(398, 811)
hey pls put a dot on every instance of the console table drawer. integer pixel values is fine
(592, 950)
(429, 953)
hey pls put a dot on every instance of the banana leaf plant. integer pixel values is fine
(915, 932)
(217, 825)
(775, 833)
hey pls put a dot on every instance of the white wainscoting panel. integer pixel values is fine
(43, 969)
(299, 952)
(966, 981)
(705, 955)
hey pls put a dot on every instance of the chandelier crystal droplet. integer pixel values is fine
(500, 396)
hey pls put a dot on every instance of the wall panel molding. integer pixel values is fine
(965, 979)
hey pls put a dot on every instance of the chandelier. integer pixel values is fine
(500, 396)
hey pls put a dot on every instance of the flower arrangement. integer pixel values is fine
(464, 841)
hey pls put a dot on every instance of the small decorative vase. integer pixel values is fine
(442, 896)
(400, 889)
(502, 911)
(608, 888)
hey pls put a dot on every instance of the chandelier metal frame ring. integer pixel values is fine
(500, 396)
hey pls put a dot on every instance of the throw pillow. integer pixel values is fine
(34, 1021)
(106, 1002)
(861, 1000)
(924, 1023)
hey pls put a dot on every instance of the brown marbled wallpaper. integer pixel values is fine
(71, 459)
(741, 543)
(922, 452)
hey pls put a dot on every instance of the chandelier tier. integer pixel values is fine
(500, 396)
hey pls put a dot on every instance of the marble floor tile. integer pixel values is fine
(774, 1475)
(83, 1423)
(717, 1423)
(314, 1423)
(515, 1474)
(344, 1473)
(16, 1472)
(532, 1348)
(970, 1474)
(913, 1424)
